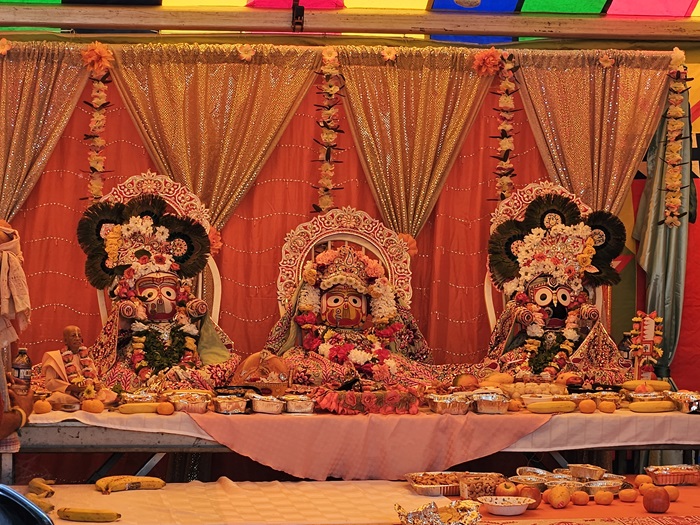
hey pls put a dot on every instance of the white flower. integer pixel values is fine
(190, 329)
(535, 330)
(359, 357)
(324, 349)
(138, 327)
(391, 364)
(571, 334)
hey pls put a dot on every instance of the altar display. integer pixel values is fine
(345, 284)
(549, 254)
(147, 253)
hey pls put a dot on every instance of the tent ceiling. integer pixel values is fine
(491, 21)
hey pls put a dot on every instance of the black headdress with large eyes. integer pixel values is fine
(188, 238)
(545, 211)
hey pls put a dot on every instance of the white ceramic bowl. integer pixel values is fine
(505, 505)
(533, 398)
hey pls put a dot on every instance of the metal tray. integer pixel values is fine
(446, 489)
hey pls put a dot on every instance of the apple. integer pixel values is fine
(528, 491)
(656, 500)
(507, 488)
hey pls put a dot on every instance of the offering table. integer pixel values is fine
(319, 446)
(333, 502)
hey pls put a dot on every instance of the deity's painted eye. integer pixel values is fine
(334, 300)
(564, 296)
(168, 292)
(543, 296)
(149, 294)
(355, 301)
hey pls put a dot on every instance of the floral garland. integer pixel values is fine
(490, 62)
(329, 123)
(98, 59)
(637, 349)
(674, 140)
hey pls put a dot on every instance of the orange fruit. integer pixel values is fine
(628, 495)
(165, 408)
(559, 497)
(673, 492)
(41, 406)
(93, 405)
(580, 498)
(603, 497)
(641, 478)
(644, 487)
(587, 406)
(607, 406)
(545, 495)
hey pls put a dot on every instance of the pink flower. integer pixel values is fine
(129, 273)
(392, 398)
(369, 401)
(350, 399)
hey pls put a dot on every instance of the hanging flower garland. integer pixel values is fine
(98, 59)
(329, 123)
(673, 156)
(490, 62)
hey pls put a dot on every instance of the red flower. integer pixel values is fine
(175, 267)
(339, 353)
(305, 318)
(350, 399)
(311, 342)
(129, 272)
(144, 259)
(382, 354)
(159, 259)
(369, 401)
(521, 297)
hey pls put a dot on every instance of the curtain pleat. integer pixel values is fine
(409, 118)
(593, 113)
(210, 117)
(40, 83)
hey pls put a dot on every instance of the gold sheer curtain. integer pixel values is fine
(409, 117)
(211, 114)
(593, 113)
(40, 83)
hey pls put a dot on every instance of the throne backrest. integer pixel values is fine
(183, 202)
(514, 208)
(343, 226)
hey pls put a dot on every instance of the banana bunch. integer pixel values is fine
(41, 487)
(119, 483)
(91, 515)
(45, 505)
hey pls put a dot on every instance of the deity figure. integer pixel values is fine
(66, 370)
(346, 323)
(158, 334)
(548, 253)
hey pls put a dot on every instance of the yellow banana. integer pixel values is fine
(41, 487)
(551, 407)
(95, 515)
(138, 408)
(40, 502)
(102, 483)
(652, 406)
(657, 384)
(134, 483)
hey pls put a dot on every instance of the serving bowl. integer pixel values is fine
(572, 486)
(532, 398)
(532, 471)
(533, 481)
(610, 485)
(505, 505)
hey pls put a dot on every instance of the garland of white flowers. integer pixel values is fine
(673, 156)
(490, 62)
(98, 59)
(329, 123)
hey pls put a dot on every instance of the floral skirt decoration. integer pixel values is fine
(394, 400)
